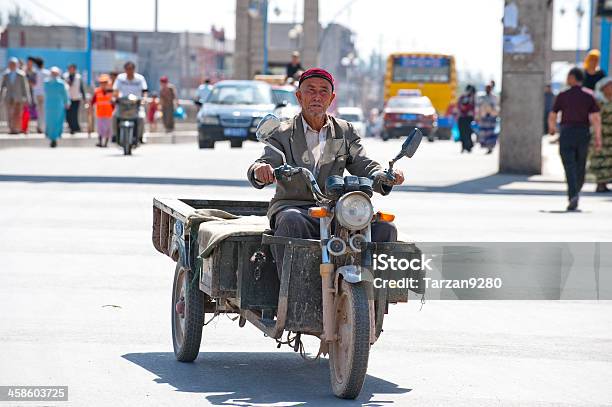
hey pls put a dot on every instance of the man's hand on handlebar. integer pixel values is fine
(264, 173)
(398, 176)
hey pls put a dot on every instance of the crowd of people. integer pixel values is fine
(32, 93)
(483, 111)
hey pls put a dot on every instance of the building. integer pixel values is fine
(186, 58)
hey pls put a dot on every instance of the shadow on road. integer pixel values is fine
(488, 185)
(245, 379)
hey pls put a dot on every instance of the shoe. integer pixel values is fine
(602, 187)
(98, 145)
(489, 151)
(573, 204)
(53, 143)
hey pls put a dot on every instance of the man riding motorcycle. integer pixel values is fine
(130, 83)
(326, 146)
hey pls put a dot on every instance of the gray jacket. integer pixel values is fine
(18, 90)
(343, 150)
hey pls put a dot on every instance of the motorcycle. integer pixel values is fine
(128, 113)
(326, 286)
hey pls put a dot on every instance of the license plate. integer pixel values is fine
(408, 117)
(235, 132)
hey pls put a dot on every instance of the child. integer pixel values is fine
(102, 100)
(153, 106)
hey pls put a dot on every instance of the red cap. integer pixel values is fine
(163, 79)
(318, 73)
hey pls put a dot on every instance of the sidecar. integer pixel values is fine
(224, 265)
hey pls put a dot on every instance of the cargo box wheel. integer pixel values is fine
(187, 315)
(236, 143)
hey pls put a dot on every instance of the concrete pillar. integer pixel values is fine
(310, 52)
(522, 99)
(241, 46)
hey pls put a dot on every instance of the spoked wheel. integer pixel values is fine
(348, 355)
(187, 316)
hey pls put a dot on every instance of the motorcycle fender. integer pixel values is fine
(178, 250)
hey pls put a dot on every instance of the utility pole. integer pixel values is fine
(89, 73)
(156, 14)
(264, 18)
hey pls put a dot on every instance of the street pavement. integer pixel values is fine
(86, 298)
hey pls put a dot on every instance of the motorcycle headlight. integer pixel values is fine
(214, 120)
(354, 211)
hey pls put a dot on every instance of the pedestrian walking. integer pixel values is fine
(56, 104)
(488, 111)
(15, 94)
(579, 111)
(466, 110)
(152, 109)
(102, 102)
(203, 91)
(294, 68)
(76, 92)
(601, 161)
(29, 110)
(592, 72)
(168, 102)
(549, 98)
(42, 74)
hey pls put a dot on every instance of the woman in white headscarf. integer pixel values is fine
(601, 161)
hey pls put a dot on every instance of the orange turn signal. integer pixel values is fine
(385, 217)
(318, 212)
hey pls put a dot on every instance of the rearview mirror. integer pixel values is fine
(410, 145)
(267, 127)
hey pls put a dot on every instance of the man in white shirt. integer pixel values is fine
(42, 74)
(203, 92)
(131, 83)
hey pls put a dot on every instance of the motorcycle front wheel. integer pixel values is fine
(127, 140)
(348, 355)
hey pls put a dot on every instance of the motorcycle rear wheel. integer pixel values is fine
(348, 355)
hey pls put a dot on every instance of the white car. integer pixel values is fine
(354, 115)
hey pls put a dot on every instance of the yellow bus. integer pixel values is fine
(433, 75)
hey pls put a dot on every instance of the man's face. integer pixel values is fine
(295, 60)
(571, 80)
(315, 95)
(29, 63)
(129, 70)
(12, 65)
(71, 69)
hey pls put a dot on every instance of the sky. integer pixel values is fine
(469, 29)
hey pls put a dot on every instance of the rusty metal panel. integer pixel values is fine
(305, 305)
(258, 283)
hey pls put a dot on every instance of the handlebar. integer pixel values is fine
(286, 171)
